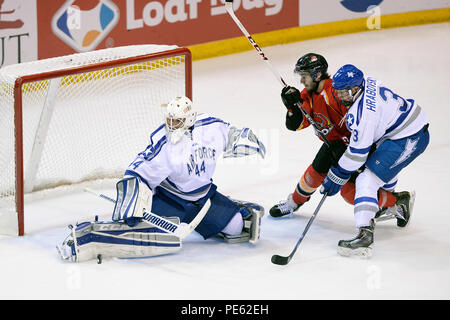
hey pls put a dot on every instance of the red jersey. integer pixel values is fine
(326, 112)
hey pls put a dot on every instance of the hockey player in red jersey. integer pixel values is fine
(319, 102)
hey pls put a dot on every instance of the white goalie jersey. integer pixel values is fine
(187, 167)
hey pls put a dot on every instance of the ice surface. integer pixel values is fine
(406, 264)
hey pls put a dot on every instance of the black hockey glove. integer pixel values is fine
(290, 97)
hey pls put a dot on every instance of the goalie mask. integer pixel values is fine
(180, 116)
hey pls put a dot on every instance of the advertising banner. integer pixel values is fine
(18, 31)
(81, 25)
(32, 29)
(323, 11)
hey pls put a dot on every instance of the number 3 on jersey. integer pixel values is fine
(355, 135)
(402, 103)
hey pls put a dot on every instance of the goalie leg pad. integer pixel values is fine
(88, 240)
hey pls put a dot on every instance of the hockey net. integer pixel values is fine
(81, 117)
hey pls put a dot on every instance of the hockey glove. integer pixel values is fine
(243, 142)
(335, 180)
(290, 97)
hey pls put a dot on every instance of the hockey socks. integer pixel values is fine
(386, 199)
(308, 183)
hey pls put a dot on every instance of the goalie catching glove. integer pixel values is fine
(243, 142)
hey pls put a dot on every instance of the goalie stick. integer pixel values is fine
(282, 260)
(229, 8)
(181, 231)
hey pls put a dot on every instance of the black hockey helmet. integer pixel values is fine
(311, 63)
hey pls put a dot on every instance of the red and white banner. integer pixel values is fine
(81, 25)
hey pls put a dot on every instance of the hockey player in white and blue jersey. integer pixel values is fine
(387, 133)
(170, 184)
(179, 164)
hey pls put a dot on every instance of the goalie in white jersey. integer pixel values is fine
(167, 192)
(387, 133)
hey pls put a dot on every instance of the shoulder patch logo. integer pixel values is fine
(350, 120)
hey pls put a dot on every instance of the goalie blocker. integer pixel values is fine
(137, 232)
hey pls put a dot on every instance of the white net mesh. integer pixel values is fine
(99, 123)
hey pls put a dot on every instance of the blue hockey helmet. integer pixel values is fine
(347, 77)
(344, 80)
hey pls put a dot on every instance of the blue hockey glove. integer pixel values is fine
(335, 180)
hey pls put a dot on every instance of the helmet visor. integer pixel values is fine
(343, 96)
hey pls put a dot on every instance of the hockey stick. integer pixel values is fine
(281, 260)
(162, 223)
(229, 8)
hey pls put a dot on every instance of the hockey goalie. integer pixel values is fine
(167, 192)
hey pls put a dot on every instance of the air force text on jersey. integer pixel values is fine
(202, 153)
(198, 157)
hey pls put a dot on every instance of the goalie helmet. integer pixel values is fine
(180, 116)
(311, 63)
(344, 82)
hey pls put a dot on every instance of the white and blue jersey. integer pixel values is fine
(186, 168)
(378, 115)
(397, 127)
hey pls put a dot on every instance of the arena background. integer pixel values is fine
(32, 29)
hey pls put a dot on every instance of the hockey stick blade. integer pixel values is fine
(281, 260)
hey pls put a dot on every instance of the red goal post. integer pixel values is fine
(114, 96)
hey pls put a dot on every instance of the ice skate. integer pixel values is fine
(404, 206)
(385, 214)
(285, 207)
(360, 245)
(401, 211)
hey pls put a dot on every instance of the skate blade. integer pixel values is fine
(384, 218)
(364, 253)
(388, 215)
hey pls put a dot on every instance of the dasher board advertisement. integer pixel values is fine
(18, 31)
(322, 11)
(82, 25)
